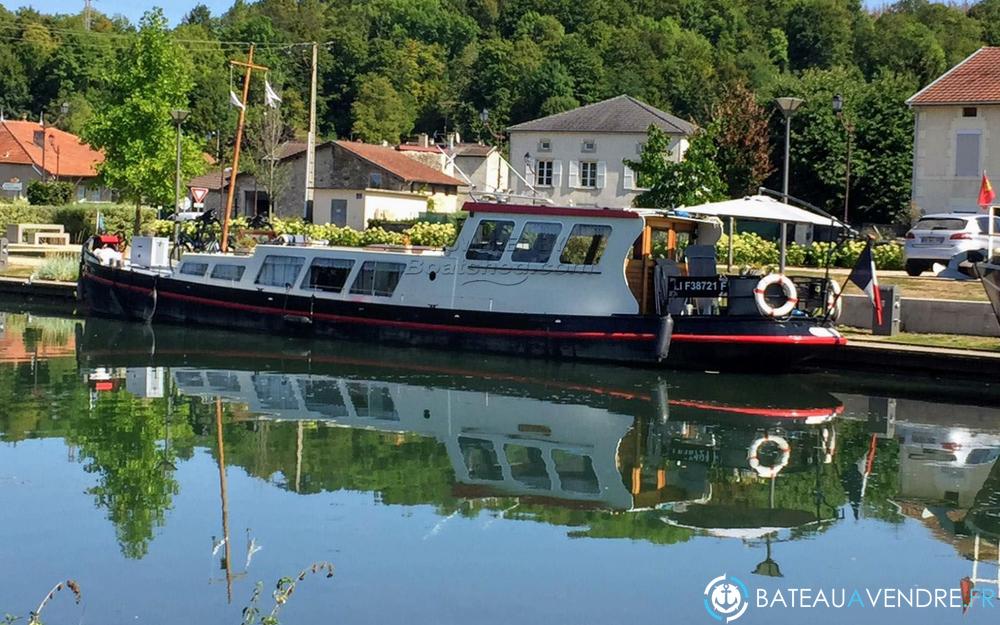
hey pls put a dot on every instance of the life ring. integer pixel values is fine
(834, 302)
(829, 444)
(772, 471)
(787, 286)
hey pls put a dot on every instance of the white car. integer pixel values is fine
(937, 238)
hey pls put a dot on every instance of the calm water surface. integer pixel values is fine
(170, 470)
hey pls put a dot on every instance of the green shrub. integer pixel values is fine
(51, 193)
(749, 249)
(432, 235)
(79, 220)
(63, 268)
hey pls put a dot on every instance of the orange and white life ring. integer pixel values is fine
(772, 471)
(787, 287)
(834, 302)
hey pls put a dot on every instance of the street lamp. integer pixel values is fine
(178, 115)
(63, 109)
(788, 108)
(838, 110)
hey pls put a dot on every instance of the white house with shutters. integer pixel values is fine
(577, 158)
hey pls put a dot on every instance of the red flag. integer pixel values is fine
(986, 193)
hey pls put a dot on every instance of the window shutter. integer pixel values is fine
(629, 178)
(574, 174)
(602, 173)
(556, 174)
(529, 173)
(967, 154)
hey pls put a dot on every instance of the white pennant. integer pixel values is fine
(235, 100)
(270, 95)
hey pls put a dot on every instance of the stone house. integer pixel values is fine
(576, 158)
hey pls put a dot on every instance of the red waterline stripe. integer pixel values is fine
(786, 413)
(416, 325)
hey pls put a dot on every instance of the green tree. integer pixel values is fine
(134, 129)
(379, 113)
(694, 180)
(742, 141)
(819, 34)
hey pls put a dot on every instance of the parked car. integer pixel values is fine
(937, 238)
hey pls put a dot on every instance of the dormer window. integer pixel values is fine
(589, 145)
(544, 145)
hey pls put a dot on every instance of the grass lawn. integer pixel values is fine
(953, 341)
(922, 287)
(17, 271)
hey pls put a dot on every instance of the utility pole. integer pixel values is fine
(234, 174)
(307, 208)
(86, 15)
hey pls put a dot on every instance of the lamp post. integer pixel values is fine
(63, 109)
(838, 110)
(178, 115)
(788, 107)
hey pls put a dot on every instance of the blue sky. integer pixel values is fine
(173, 9)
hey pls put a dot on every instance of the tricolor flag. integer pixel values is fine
(864, 276)
(986, 193)
(235, 100)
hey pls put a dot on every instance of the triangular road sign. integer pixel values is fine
(198, 194)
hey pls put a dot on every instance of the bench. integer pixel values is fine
(16, 232)
(49, 238)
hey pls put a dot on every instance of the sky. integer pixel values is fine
(173, 9)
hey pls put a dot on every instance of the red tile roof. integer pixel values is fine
(976, 80)
(395, 162)
(65, 154)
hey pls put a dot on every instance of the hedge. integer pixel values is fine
(750, 249)
(78, 219)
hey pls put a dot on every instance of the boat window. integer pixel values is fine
(527, 466)
(536, 243)
(327, 274)
(490, 240)
(228, 272)
(373, 401)
(275, 393)
(194, 269)
(377, 278)
(576, 472)
(585, 245)
(480, 459)
(279, 270)
(323, 395)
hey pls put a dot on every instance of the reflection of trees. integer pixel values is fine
(118, 441)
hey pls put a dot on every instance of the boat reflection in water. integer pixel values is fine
(570, 435)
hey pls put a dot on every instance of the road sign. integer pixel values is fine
(13, 186)
(199, 194)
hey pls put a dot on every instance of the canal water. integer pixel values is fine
(170, 471)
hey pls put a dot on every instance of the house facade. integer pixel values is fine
(577, 158)
(30, 151)
(957, 135)
(357, 182)
(249, 199)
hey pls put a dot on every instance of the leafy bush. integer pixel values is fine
(51, 193)
(63, 268)
(749, 249)
(79, 220)
(432, 235)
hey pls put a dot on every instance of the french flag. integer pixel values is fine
(864, 276)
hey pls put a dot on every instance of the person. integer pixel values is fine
(108, 255)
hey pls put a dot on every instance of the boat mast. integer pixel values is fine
(234, 172)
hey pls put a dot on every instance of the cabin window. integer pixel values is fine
(585, 245)
(377, 278)
(480, 459)
(536, 243)
(576, 472)
(327, 274)
(372, 401)
(490, 240)
(279, 270)
(228, 272)
(194, 269)
(527, 466)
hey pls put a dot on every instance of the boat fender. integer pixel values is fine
(829, 444)
(663, 337)
(787, 287)
(772, 471)
(834, 302)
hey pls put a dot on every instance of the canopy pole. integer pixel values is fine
(732, 222)
(784, 246)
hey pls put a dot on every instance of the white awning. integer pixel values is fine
(762, 208)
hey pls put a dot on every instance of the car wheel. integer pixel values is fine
(915, 267)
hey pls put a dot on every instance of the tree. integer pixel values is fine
(742, 141)
(134, 129)
(819, 34)
(379, 113)
(694, 180)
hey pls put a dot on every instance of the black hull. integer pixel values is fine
(716, 343)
